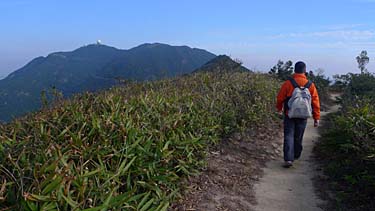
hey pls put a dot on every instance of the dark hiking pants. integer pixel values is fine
(293, 135)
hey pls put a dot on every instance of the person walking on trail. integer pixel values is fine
(299, 100)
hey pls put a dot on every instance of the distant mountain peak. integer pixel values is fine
(222, 63)
(95, 46)
(156, 45)
(153, 45)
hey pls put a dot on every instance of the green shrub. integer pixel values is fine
(355, 86)
(348, 146)
(322, 84)
(126, 148)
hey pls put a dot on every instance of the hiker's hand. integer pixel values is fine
(316, 123)
(280, 114)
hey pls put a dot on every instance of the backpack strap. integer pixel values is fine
(294, 83)
(308, 84)
(286, 106)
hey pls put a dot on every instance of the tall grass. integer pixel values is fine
(129, 147)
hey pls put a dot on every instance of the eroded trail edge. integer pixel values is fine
(233, 167)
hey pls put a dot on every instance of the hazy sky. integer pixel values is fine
(326, 34)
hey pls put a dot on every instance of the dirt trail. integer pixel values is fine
(234, 179)
(291, 189)
(233, 167)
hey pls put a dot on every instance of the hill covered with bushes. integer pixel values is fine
(127, 148)
(92, 68)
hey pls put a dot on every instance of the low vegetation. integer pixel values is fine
(129, 147)
(322, 84)
(347, 148)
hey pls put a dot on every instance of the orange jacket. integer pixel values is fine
(287, 91)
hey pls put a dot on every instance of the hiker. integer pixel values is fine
(299, 100)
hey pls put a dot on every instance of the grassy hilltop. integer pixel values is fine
(129, 147)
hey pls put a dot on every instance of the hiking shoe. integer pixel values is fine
(288, 164)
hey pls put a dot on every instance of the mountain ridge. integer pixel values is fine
(90, 68)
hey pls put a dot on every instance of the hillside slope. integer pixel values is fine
(130, 147)
(91, 68)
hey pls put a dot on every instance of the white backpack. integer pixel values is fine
(299, 103)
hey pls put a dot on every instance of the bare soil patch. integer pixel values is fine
(233, 167)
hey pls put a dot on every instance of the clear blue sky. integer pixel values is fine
(326, 34)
